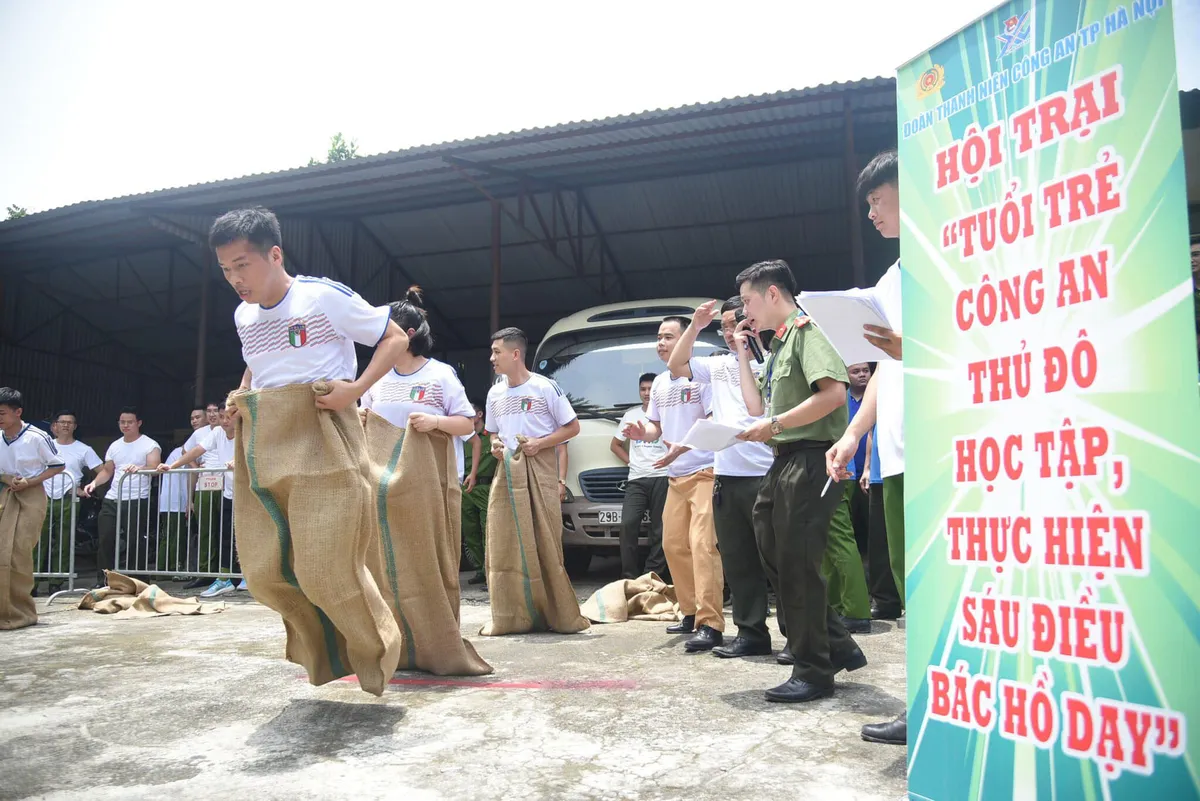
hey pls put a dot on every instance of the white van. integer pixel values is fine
(596, 357)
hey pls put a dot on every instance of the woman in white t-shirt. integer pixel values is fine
(419, 390)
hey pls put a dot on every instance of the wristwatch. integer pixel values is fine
(776, 426)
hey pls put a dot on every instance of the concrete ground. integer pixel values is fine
(189, 707)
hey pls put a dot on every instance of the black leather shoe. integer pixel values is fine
(785, 657)
(856, 625)
(884, 612)
(796, 691)
(894, 732)
(685, 626)
(851, 660)
(197, 583)
(478, 578)
(705, 639)
(743, 647)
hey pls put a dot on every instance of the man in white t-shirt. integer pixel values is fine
(645, 491)
(883, 401)
(689, 536)
(739, 475)
(53, 552)
(535, 409)
(298, 331)
(214, 542)
(27, 459)
(174, 501)
(203, 506)
(126, 456)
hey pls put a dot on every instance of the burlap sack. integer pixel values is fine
(21, 516)
(126, 598)
(415, 559)
(644, 598)
(304, 518)
(528, 585)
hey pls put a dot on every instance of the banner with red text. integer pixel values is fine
(1052, 428)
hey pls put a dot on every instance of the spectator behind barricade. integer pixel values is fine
(174, 507)
(227, 559)
(134, 451)
(53, 554)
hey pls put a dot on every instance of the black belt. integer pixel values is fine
(483, 480)
(788, 448)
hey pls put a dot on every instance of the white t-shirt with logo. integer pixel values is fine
(675, 404)
(173, 489)
(29, 454)
(122, 454)
(309, 335)
(642, 455)
(433, 388)
(77, 456)
(536, 408)
(724, 375)
(889, 415)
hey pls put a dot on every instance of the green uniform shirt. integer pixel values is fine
(800, 357)
(487, 462)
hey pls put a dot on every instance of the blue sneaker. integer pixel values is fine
(242, 586)
(218, 587)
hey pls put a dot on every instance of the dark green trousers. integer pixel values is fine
(893, 513)
(791, 523)
(879, 565)
(733, 514)
(53, 552)
(474, 523)
(843, 567)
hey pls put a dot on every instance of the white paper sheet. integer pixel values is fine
(841, 317)
(706, 435)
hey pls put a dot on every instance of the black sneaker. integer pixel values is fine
(197, 583)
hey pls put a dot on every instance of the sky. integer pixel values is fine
(108, 98)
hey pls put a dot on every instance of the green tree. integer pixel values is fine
(339, 150)
(17, 212)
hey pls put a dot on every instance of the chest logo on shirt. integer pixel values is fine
(417, 393)
(526, 404)
(685, 395)
(297, 335)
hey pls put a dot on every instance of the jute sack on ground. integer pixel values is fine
(646, 597)
(21, 516)
(126, 598)
(304, 518)
(527, 583)
(416, 557)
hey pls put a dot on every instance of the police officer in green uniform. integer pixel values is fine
(802, 391)
(476, 489)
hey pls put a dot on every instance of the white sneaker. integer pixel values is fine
(218, 587)
(242, 586)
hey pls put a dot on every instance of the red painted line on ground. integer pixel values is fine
(536, 684)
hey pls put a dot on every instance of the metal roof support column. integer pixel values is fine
(202, 329)
(850, 161)
(496, 249)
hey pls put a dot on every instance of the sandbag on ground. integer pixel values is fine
(646, 597)
(527, 583)
(415, 559)
(21, 516)
(304, 518)
(126, 597)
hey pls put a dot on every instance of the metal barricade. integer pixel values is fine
(174, 524)
(54, 555)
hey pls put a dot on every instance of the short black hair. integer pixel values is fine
(512, 336)
(256, 225)
(478, 404)
(682, 322)
(882, 170)
(11, 398)
(130, 410)
(201, 409)
(765, 274)
(219, 404)
(65, 413)
(410, 313)
(732, 304)
(644, 377)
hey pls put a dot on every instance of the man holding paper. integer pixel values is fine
(879, 185)
(739, 473)
(802, 390)
(689, 539)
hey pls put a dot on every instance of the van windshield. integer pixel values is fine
(599, 368)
